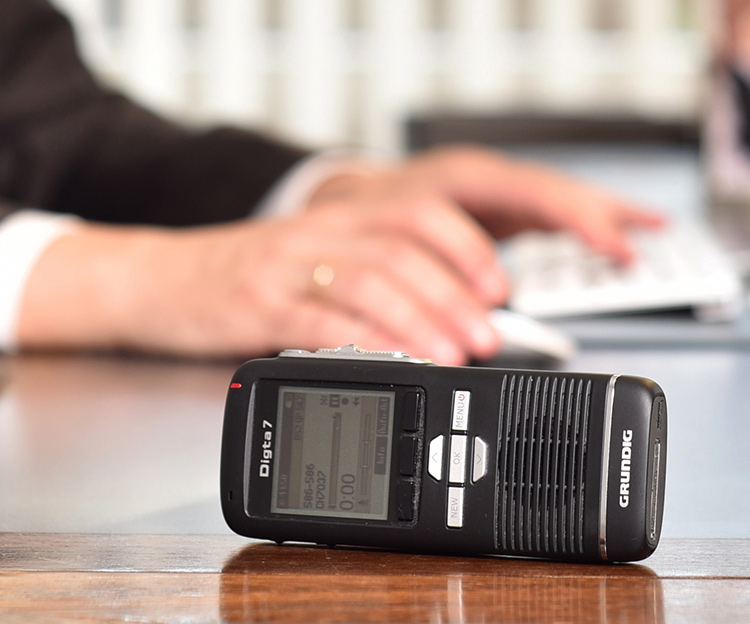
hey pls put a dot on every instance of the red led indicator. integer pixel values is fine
(235, 386)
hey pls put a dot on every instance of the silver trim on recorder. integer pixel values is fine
(353, 352)
(609, 403)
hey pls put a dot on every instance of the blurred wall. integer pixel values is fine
(329, 72)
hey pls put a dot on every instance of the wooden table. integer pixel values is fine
(109, 512)
(147, 578)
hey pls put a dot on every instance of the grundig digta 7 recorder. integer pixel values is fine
(357, 448)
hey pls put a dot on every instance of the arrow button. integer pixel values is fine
(479, 465)
(435, 457)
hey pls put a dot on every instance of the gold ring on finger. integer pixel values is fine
(322, 276)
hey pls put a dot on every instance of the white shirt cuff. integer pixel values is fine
(291, 194)
(24, 235)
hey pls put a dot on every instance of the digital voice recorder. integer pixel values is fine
(358, 448)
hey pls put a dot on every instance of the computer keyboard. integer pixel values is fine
(679, 266)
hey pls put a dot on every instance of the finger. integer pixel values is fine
(465, 245)
(368, 292)
(608, 228)
(603, 234)
(440, 290)
(631, 215)
(532, 196)
(314, 324)
(452, 234)
(323, 324)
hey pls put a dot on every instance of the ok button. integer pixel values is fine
(457, 461)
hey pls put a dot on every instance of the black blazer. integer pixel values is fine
(67, 144)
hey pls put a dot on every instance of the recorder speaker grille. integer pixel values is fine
(544, 423)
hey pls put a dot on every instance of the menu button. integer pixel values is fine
(460, 415)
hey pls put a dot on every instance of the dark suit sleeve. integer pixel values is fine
(69, 145)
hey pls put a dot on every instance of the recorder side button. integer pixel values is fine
(435, 457)
(411, 411)
(457, 465)
(479, 464)
(405, 501)
(407, 456)
(460, 413)
(455, 516)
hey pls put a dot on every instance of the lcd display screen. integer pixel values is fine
(332, 457)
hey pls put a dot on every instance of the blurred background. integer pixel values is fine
(350, 72)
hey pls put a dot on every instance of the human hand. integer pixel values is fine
(408, 267)
(402, 280)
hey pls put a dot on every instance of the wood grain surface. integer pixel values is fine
(163, 578)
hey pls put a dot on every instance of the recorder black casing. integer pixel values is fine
(558, 465)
